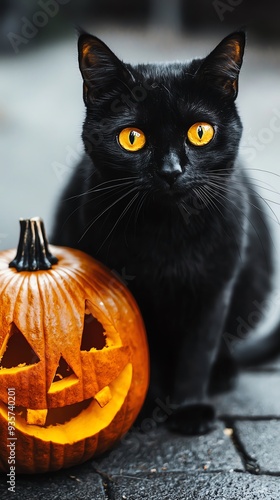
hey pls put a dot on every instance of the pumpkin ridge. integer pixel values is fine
(6, 280)
(81, 274)
(45, 311)
(11, 282)
(65, 291)
(51, 278)
(91, 266)
(62, 284)
(89, 283)
(62, 273)
(43, 315)
(30, 280)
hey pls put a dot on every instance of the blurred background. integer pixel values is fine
(41, 107)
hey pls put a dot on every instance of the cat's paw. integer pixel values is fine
(193, 419)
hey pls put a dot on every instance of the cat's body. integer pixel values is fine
(179, 221)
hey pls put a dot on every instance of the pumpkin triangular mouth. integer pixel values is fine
(63, 414)
(53, 416)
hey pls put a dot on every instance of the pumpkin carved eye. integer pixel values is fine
(16, 352)
(93, 334)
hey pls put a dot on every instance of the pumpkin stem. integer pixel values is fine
(33, 252)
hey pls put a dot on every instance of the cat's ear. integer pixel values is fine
(221, 68)
(101, 69)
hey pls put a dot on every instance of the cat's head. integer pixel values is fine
(169, 125)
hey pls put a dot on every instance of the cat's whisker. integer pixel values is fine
(222, 200)
(221, 185)
(225, 198)
(140, 205)
(107, 188)
(119, 179)
(261, 170)
(210, 196)
(124, 212)
(91, 175)
(229, 170)
(106, 210)
(248, 182)
(206, 199)
(102, 190)
(103, 197)
(100, 187)
(185, 208)
(87, 202)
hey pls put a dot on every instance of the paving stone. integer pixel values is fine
(77, 483)
(262, 441)
(256, 394)
(206, 486)
(161, 450)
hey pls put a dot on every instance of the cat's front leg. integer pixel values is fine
(196, 356)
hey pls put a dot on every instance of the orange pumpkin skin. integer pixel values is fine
(78, 388)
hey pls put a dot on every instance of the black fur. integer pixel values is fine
(182, 222)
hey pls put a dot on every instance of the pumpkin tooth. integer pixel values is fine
(36, 417)
(104, 396)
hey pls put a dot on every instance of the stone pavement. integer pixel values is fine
(239, 460)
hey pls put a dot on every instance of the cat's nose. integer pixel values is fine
(171, 169)
(169, 176)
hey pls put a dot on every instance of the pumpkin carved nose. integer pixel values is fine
(64, 377)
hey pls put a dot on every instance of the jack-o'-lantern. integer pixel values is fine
(73, 355)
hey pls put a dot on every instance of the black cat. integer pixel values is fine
(161, 197)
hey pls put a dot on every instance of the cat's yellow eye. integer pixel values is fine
(200, 133)
(132, 139)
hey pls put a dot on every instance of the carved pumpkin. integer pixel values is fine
(73, 352)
